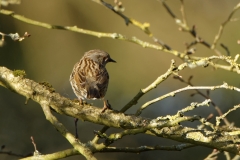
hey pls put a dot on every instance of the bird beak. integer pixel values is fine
(111, 60)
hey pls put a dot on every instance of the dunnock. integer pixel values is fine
(89, 78)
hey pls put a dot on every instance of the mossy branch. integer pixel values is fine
(163, 126)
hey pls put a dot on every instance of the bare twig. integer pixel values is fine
(36, 152)
(205, 96)
(236, 157)
(221, 28)
(227, 155)
(226, 48)
(183, 13)
(148, 148)
(213, 155)
(173, 93)
(142, 26)
(193, 106)
(219, 118)
(13, 154)
(184, 27)
(160, 42)
(173, 69)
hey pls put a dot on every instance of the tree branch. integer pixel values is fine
(80, 147)
(162, 127)
(56, 155)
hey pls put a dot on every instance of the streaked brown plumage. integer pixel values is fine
(89, 78)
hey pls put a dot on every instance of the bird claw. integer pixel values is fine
(82, 102)
(106, 106)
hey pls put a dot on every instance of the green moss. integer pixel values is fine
(76, 100)
(48, 86)
(19, 73)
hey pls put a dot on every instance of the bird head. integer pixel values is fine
(99, 56)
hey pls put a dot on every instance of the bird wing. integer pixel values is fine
(92, 88)
(103, 82)
(96, 85)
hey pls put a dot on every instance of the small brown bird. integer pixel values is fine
(89, 78)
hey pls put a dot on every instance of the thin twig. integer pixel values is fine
(13, 154)
(184, 27)
(226, 48)
(148, 148)
(236, 157)
(221, 28)
(205, 96)
(227, 155)
(183, 13)
(173, 93)
(142, 26)
(213, 155)
(219, 118)
(36, 152)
